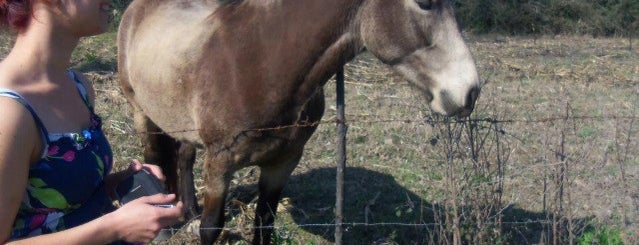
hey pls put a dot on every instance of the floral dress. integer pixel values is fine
(65, 187)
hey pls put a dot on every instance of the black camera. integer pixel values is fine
(141, 183)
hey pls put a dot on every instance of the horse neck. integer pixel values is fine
(336, 31)
(297, 44)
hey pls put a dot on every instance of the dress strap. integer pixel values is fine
(14, 95)
(81, 89)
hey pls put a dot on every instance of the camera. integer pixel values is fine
(141, 183)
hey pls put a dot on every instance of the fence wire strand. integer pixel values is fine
(427, 121)
(350, 224)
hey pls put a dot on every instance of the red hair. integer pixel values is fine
(15, 13)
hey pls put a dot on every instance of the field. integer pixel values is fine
(549, 156)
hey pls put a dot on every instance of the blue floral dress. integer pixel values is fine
(65, 187)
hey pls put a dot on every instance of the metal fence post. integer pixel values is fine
(341, 156)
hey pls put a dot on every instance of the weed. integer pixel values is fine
(282, 236)
(602, 236)
(586, 133)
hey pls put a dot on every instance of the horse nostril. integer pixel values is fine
(471, 98)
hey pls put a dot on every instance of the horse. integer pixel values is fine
(214, 74)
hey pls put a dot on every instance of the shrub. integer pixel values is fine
(602, 17)
(118, 9)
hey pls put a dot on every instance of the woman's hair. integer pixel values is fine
(15, 13)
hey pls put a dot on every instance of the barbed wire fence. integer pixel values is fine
(476, 152)
(478, 157)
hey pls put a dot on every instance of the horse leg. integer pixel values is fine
(216, 178)
(159, 149)
(186, 159)
(170, 154)
(272, 181)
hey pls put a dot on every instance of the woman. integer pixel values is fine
(54, 159)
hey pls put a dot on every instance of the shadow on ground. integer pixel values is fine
(373, 197)
(97, 64)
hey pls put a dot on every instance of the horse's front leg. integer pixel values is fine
(272, 181)
(217, 177)
(186, 159)
(159, 148)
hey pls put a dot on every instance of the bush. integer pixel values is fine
(603, 17)
(603, 236)
(118, 7)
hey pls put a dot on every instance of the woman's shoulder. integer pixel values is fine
(17, 127)
(13, 107)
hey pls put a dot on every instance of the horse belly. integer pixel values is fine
(158, 61)
(171, 113)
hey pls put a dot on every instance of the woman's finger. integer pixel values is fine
(155, 170)
(135, 165)
(158, 199)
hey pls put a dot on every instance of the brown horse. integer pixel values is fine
(210, 74)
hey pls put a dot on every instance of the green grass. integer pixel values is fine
(602, 236)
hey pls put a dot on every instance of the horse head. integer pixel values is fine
(420, 39)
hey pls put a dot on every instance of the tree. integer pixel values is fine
(629, 15)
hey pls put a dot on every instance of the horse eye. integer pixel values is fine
(425, 4)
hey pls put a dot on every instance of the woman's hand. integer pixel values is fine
(151, 168)
(139, 221)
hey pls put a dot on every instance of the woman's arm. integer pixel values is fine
(19, 139)
(136, 222)
(94, 232)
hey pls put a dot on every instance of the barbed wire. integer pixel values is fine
(427, 121)
(352, 224)
(482, 123)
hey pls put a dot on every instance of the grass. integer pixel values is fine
(557, 164)
(602, 236)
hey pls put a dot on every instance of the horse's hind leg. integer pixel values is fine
(272, 181)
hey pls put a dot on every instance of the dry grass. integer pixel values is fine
(561, 162)
(398, 172)
(397, 176)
